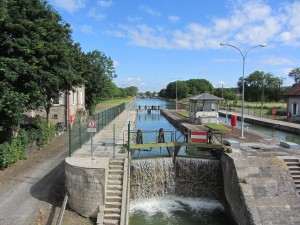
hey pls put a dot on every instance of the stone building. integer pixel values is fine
(64, 108)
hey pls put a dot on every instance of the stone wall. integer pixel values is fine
(86, 188)
(259, 190)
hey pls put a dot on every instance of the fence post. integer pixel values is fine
(98, 122)
(79, 132)
(128, 141)
(70, 138)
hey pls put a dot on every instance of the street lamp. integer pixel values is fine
(243, 81)
(176, 92)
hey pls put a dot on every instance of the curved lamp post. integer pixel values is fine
(244, 55)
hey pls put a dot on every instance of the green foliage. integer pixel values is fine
(12, 151)
(98, 74)
(185, 88)
(45, 132)
(262, 86)
(295, 74)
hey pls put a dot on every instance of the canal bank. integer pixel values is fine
(260, 183)
(272, 123)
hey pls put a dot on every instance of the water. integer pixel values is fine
(152, 121)
(174, 210)
(169, 209)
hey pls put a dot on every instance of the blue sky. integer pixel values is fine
(155, 42)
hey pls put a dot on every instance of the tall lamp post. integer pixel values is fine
(176, 92)
(244, 55)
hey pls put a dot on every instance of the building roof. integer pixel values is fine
(205, 97)
(295, 90)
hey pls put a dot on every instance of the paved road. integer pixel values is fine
(33, 190)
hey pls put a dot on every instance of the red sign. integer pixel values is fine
(71, 118)
(92, 123)
(198, 136)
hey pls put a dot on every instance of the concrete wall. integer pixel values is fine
(86, 188)
(259, 190)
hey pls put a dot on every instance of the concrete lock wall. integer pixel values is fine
(233, 193)
(86, 188)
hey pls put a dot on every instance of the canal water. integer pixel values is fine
(170, 209)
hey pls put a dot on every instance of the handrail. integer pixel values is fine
(62, 210)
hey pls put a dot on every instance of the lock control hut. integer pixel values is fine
(204, 108)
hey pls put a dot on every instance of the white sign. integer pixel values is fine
(92, 123)
(91, 130)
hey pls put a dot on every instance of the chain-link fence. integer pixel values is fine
(78, 134)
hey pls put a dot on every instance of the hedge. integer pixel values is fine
(14, 150)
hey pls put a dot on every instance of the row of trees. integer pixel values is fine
(258, 86)
(39, 59)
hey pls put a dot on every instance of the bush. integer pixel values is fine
(45, 132)
(14, 150)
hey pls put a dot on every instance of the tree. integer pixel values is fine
(35, 55)
(197, 86)
(98, 75)
(261, 86)
(295, 74)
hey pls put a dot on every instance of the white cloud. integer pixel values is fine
(133, 81)
(277, 61)
(253, 22)
(115, 63)
(291, 20)
(173, 19)
(96, 15)
(105, 3)
(149, 10)
(86, 29)
(70, 5)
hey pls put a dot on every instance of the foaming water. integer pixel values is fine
(175, 210)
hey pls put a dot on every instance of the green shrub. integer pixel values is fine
(16, 149)
(12, 151)
(45, 132)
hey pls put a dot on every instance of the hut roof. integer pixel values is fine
(295, 90)
(205, 97)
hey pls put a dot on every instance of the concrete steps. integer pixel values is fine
(113, 200)
(294, 169)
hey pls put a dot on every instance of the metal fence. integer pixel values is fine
(281, 113)
(78, 134)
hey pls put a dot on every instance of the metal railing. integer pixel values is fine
(78, 134)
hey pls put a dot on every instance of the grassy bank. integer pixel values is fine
(113, 102)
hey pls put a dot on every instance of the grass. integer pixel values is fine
(112, 102)
(217, 127)
(184, 113)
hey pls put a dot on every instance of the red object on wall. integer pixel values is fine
(178, 106)
(198, 136)
(233, 120)
(71, 118)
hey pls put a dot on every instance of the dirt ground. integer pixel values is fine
(37, 183)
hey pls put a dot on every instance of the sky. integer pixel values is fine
(155, 42)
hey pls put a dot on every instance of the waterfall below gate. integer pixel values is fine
(186, 177)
